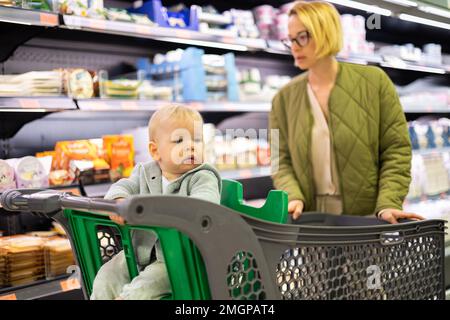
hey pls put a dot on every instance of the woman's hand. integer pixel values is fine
(392, 215)
(295, 207)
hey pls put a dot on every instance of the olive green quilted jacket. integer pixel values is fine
(369, 133)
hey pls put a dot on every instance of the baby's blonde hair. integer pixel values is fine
(172, 111)
(323, 23)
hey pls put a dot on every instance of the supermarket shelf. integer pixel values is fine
(152, 105)
(28, 17)
(162, 34)
(196, 38)
(53, 104)
(97, 190)
(432, 151)
(427, 109)
(242, 174)
(40, 289)
(415, 67)
(36, 104)
(277, 47)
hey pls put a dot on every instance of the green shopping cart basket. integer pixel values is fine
(233, 251)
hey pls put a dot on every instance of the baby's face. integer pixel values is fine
(180, 145)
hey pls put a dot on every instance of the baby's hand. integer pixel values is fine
(116, 218)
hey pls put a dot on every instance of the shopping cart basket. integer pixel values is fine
(215, 252)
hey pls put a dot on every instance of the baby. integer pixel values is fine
(176, 146)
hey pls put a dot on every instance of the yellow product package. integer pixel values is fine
(119, 151)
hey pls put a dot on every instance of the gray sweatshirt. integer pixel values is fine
(203, 182)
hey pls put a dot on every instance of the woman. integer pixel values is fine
(343, 138)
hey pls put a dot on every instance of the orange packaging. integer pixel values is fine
(119, 152)
(45, 154)
(65, 151)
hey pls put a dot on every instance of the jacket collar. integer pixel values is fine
(153, 177)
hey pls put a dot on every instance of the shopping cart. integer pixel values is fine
(233, 251)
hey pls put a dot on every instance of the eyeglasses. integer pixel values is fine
(302, 40)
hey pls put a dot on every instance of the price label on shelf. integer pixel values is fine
(182, 34)
(97, 105)
(8, 297)
(228, 40)
(97, 24)
(129, 105)
(246, 174)
(70, 284)
(196, 106)
(29, 103)
(48, 19)
(140, 29)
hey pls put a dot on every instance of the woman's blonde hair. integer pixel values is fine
(323, 23)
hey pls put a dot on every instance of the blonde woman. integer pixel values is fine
(343, 137)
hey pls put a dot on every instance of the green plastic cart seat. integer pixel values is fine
(184, 263)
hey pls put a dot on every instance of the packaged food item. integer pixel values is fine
(209, 131)
(30, 173)
(21, 260)
(225, 157)
(58, 257)
(66, 151)
(61, 177)
(42, 234)
(58, 228)
(75, 7)
(80, 84)
(37, 5)
(246, 152)
(121, 88)
(7, 178)
(263, 153)
(115, 14)
(141, 19)
(84, 170)
(119, 152)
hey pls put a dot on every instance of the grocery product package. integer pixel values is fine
(119, 152)
(7, 176)
(29, 172)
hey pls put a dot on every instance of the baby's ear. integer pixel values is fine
(153, 149)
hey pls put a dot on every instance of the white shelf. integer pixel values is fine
(195, 38)
(29, 17)
(162, 34)
(40, 289)
(431, 151)
(249, 173)
(152, 105)
(36, 104)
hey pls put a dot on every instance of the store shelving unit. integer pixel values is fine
(60, 287)
(29, 17)
(180, 36)
(152, 105)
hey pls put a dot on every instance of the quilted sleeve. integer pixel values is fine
(125, 187)
(205, 185)
(282, 171)
(395, 149)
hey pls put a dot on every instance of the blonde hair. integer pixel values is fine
(172, 111)
(323, 23)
